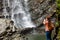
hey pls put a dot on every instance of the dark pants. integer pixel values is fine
(48, 35)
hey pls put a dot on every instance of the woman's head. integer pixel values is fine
(48, 17)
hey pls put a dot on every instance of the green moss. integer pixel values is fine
(58, 15)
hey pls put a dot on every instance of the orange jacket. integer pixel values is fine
(48, 26)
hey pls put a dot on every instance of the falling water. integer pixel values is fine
(19, 13)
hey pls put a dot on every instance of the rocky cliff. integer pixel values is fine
(38, 9)
(41, 8)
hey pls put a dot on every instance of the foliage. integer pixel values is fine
(58, 13)
(58, 10)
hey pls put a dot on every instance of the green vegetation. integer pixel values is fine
(58, 7)
(58, 13)
(58, 10)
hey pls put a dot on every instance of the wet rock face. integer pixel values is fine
(1, 7)
(8, 31)
(41, 8)
(3, 25)
(37, 8)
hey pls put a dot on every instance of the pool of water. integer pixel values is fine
(35, 37)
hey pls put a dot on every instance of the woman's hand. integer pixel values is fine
(44, 21)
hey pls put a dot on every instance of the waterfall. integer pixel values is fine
(19, 13)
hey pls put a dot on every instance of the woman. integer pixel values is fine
(48, 27)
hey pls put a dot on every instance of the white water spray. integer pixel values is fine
(20, 14)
